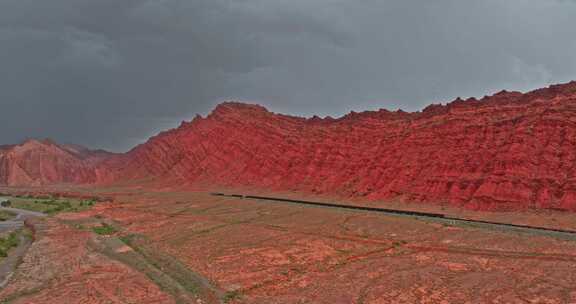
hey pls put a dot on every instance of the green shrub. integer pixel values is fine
(6, 243)
(104, 229)
(232, 295)
(6, 215)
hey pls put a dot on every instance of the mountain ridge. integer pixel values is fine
(506, 151)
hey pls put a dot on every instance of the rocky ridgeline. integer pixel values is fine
(510, 150)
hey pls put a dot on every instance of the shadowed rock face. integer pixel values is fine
(510, 150)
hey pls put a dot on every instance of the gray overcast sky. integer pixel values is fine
(109, 73)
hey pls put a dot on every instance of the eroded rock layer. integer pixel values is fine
(510, 150)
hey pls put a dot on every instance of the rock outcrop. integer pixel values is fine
(509, 150)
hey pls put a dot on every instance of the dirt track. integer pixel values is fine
(68, 263)
(60, 267)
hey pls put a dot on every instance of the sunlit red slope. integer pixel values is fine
(43, 162)
(508, 150)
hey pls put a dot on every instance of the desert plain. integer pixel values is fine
(194, 247)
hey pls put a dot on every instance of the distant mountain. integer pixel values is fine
(509, 150)
(42, 162)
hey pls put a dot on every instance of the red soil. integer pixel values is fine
(60, 267)
(507, 151)
(278, 253)
(261, 252)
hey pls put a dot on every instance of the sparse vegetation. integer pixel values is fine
(9, 242)
(51, 205)
(167, 272)
(5, 203)
(6, 215)
(104, 229)
(399, 243)
(232, 295)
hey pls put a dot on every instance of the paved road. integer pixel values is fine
(558, 233)
(18, 221)
(9, 263)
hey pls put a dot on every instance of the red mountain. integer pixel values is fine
(508, 150)
(36, 163)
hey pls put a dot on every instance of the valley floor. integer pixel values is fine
(191, 247)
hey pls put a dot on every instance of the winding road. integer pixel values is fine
(17, 221)
(8, 264)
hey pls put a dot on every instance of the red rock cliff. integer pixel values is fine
(508, 150)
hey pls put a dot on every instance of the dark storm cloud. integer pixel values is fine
(108, 73)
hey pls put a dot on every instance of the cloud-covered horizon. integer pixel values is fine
(109, 74)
